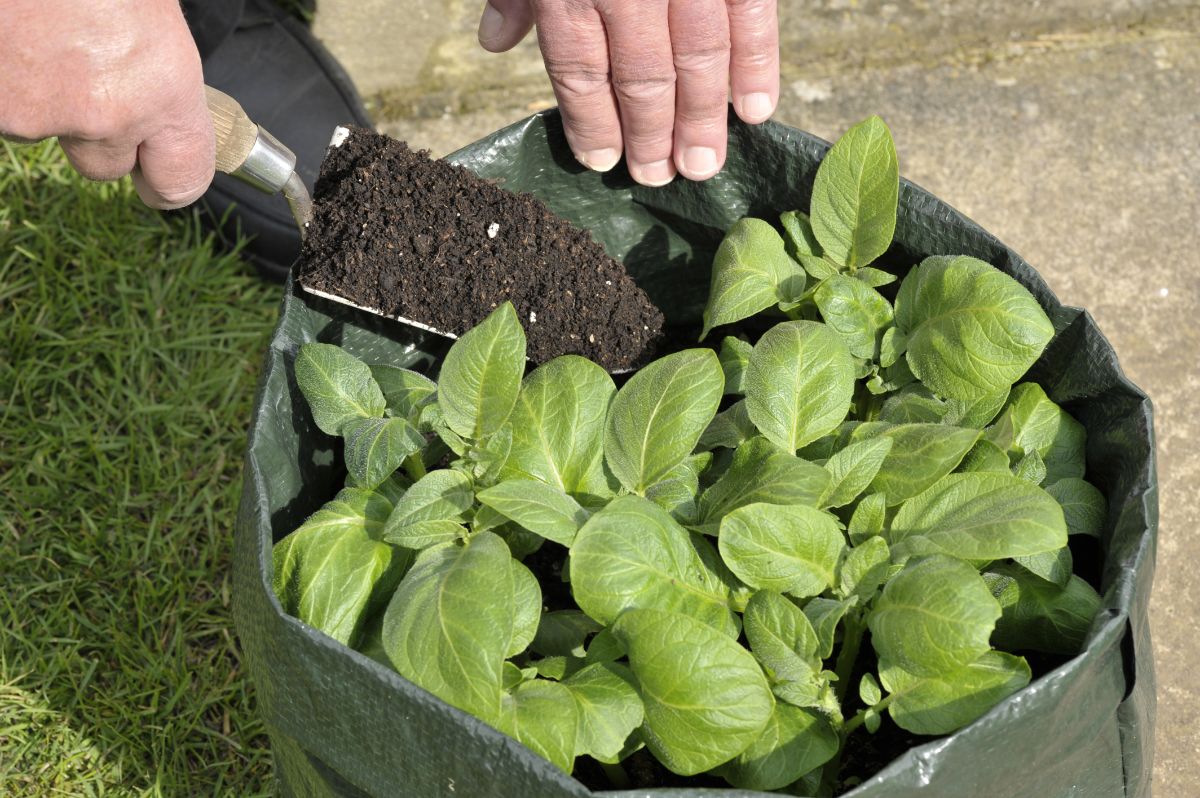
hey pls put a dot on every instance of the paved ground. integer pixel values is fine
(1072, 132)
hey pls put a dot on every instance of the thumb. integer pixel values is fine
(504, 23)
(175, 165)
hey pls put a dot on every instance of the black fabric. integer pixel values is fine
(211, 21)
(344, 725)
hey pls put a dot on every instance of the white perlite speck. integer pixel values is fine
(340, 134)
(493, 229)
(532, 317)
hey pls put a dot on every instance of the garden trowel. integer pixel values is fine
(248, 152)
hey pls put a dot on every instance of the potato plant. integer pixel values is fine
(755, 550)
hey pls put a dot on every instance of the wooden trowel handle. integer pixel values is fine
(236, 133)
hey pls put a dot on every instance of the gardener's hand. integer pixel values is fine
(649, 76)
(119, 82)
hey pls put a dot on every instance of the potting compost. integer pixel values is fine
(342, 724)
(426, 240)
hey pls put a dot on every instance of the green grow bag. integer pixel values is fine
(343, 725)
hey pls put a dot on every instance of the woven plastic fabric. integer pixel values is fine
(344, 725)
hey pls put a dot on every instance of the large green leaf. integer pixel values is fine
(633, 554)
(785, 643)
(799, 383)
(864, 568)
(921, 454)
(801, 243)
(337, 386)
(794, 742)
(450, 623)
(729, 429)
(527, 606)
(481, 375)
(376, 447)
(934, 616)
(538, 507)
(1084, 506)
(855, 311)
(980, 516)
(543, 716)
(825, 614)
(793, 549)
(734, 357)
(558, 426)
(431, 511)
(562, 633)
(942, 703)
(705, 696)
(751, 271)
(333, 568)
(972, 330)
(855, 193)
(609, 709)
(761, 473)
(1039, 615)
(658, 416)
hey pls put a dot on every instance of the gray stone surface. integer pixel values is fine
(1070, 129)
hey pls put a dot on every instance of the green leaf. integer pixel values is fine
(975, 413)
(825, 614)
(729, 429)
(868, 518)
(854, 196)
(734, 357)
(1084, 506)
(610, 709)
(563, 632)
(751, 271)
(794, 742)
(558, 426)
(632, 554)
(332, 569)
(891, 346)
(337, 386)
(942, 703)
(801, 244)
(676, 491)
(557, 668)
(405, 392)
(658, 416)
(432, 510)
(913, 404)
(792, 549)
(854, 311)
(785, 643)
(874, 277)
(972, 330)
(527, 600)
(921, 454)
(1043, 427)
(1031, 468)
(1039, 615)
(450, 623)
(538, 507)
(980, 516)
(864, 569)
(488, 456)
(376, 447)
(985, 456)
(934, 616)
(605, 647)
(481, 375)
(543, 716)
(761, 473)
(799, 383)
(852, 469)
(868, 690)
(706, 699)
(1053, 566)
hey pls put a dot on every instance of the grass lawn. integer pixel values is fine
(129, 353)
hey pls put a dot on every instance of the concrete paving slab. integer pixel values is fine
(1067, 129)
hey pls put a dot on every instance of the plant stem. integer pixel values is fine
(861, 715)
(414, 466)
(847, 658)
(617, 775)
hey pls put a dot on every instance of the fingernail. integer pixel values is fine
(491, 25)
(599, 160)
(756, 107)
(701, 162)
(658, 173)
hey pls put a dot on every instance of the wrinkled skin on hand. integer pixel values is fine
(119, 82)
(649, 77)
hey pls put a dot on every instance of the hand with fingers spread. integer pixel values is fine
(119, 82)
(649, 77)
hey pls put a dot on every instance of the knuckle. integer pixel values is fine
(709, 61)
(578, 79)
(756, 60)
(644, 89)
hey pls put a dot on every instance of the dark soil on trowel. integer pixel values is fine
(400, 233)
